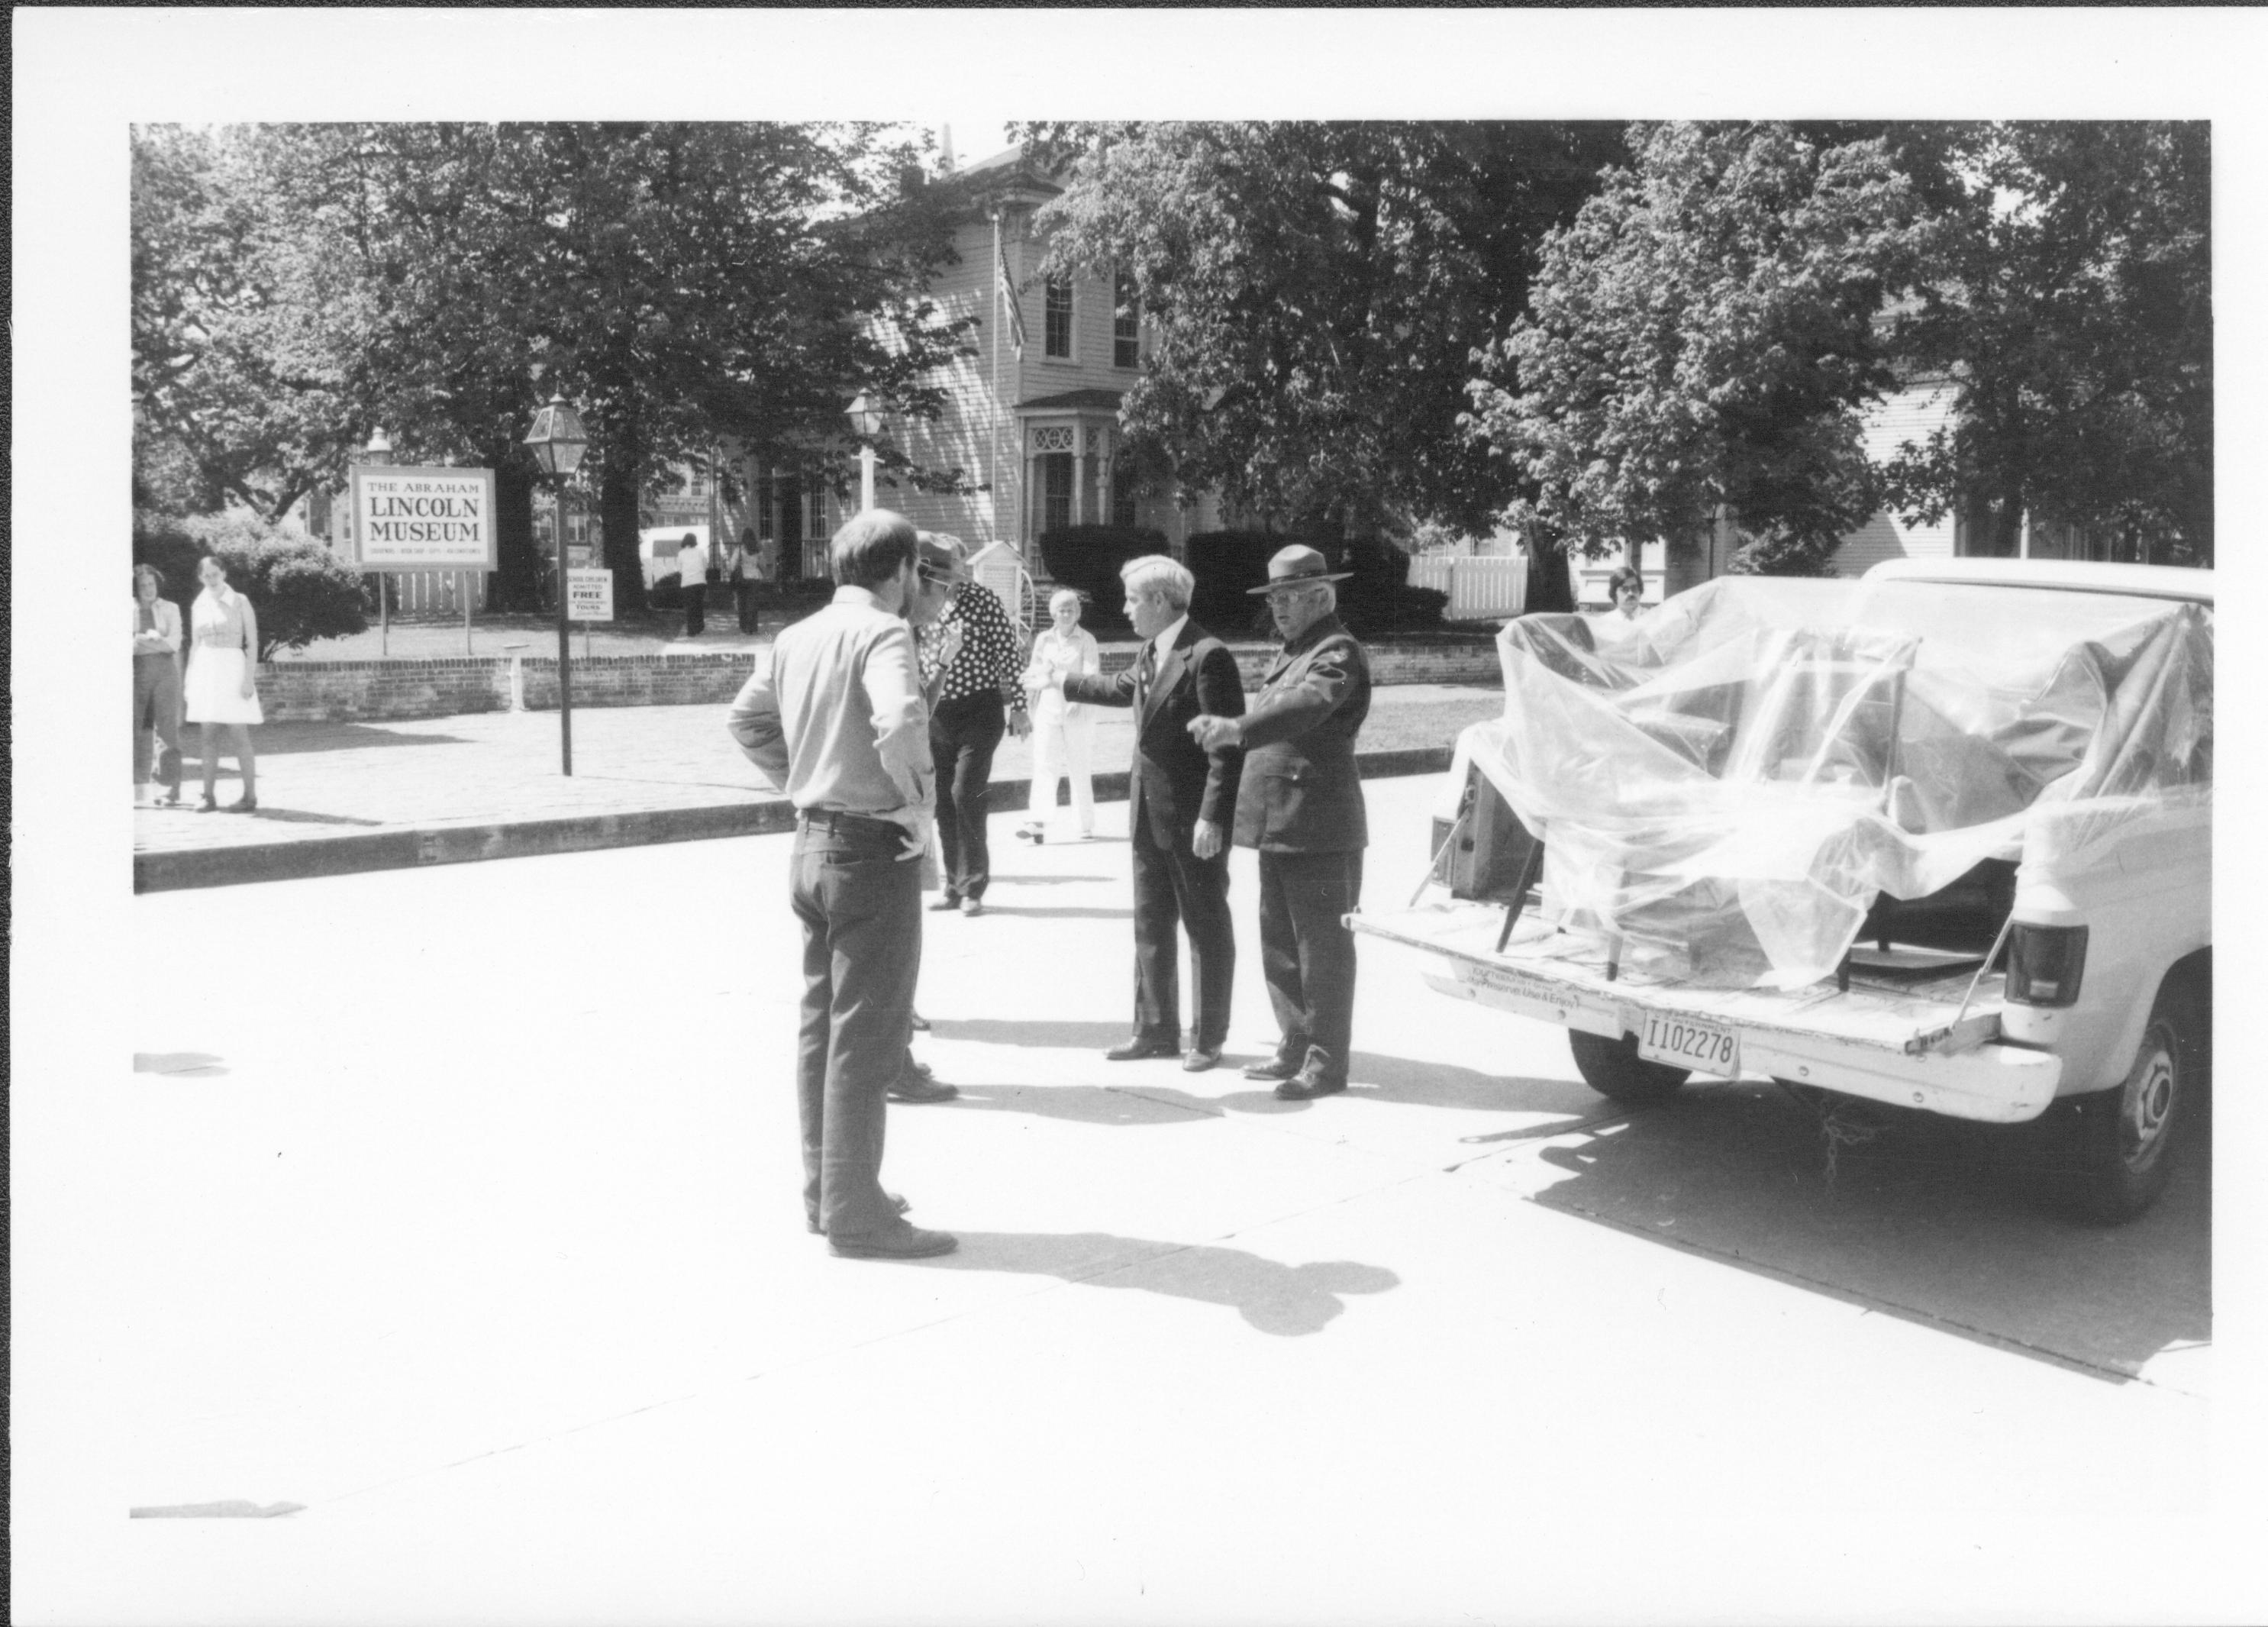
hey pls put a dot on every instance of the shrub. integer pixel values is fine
(1375, 599)
(1225, 563)
(1087, 557)
(299, 590)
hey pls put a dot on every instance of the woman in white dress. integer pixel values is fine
(223, 652)
(1062, 731)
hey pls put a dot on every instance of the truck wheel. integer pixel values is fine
(2120, 1142)
(1617, 1071)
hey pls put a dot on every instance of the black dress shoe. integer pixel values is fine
(811, 1216)
(1305, 1086)
(1198, 1059)
(950, 900)
(1274, 1068)
(1140, 1049)
(914, 1087)
(911, 1243)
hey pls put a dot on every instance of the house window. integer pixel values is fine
(1121, 502)
(1056, 472)
(1059, 320)
(1125, 324)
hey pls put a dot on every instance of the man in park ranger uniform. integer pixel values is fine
(1301, 804)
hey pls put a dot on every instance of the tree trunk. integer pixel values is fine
(513, 587)
(1548, 590)
(618, 513)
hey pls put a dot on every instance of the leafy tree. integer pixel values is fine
(1705, 334)
(301, 590)
(1315, 292)
(684, 282)
(2071, 306)
(224, 409)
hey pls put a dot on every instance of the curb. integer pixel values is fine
(414, 848)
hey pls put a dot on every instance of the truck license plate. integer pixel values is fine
(1685, 1042)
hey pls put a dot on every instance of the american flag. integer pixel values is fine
(1015, 305)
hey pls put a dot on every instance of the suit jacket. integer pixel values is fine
(1301, 793)
(1175, 783)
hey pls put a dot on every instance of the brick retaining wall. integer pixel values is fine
(381, 691)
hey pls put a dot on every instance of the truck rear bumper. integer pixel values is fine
(1898, 1049)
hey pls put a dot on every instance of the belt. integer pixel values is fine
(841, 824)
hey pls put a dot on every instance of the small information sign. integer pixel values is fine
(590, 595)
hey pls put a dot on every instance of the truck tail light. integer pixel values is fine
(2045, 964)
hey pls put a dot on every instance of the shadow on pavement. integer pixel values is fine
(290, 738)
(197, 1064)
(1436, 1085)
(1285, 1301)
(1088, 1104)
(1938, 1221)
(1047, 1035)
(291, 816)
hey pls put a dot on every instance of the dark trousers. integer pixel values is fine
(158, 710)
(1307, 957)
(963, 734)
(860, 907)
(696, 594)
(744, 601)
(1173, 887)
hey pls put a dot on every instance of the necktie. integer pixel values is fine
(1144, 671)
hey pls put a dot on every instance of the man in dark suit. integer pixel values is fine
(1302, 805)
(1182, 804)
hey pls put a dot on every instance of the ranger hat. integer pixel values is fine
(1296, 566)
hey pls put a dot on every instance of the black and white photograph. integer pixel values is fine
(1152, 816)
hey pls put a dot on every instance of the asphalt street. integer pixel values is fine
(458, 1207)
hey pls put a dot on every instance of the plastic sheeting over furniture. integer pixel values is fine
(1725, 790)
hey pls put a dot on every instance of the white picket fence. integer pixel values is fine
(1485, 588)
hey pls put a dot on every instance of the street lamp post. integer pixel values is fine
(557, 439)
(867, 424)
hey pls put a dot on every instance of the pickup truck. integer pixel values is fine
(1940, 837)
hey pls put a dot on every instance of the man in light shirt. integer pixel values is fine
(833, 716)
(693, 582)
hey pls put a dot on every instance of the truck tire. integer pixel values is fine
(2119, 1145)
(1617, 1071)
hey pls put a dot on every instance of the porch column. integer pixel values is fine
(1078, 477)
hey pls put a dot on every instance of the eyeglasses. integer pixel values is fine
(934, 580)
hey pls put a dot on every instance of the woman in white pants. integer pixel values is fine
(1063, 732)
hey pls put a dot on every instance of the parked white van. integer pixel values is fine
(1941, 838)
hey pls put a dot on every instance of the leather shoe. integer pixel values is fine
(1304, 1087)
(950, 900)
(1198, 1059)
(1140, 1049)
(972, 907)
(1274, 1068)
(914, 1087)
(912, 1243)
(811, 1216)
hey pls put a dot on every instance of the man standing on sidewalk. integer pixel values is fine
(693, 582)
(833, 715)
(1302, 805)
(1179, 805)
(982, 695)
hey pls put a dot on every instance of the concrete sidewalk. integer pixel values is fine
(339, 798)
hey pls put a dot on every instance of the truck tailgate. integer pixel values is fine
(1904, 1040)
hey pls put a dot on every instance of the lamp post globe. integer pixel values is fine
(555, 440)
(867, 424)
